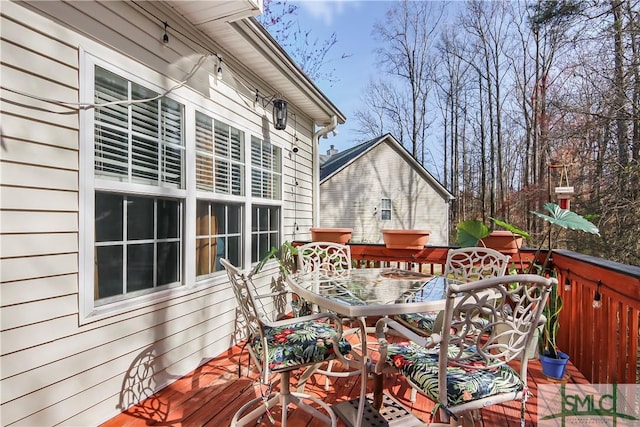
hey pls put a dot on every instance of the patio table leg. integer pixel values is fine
(378, 382)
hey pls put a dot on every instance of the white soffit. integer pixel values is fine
(247, 43)
(203, 11)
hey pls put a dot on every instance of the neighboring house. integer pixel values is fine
(377, 185)
(114, 215)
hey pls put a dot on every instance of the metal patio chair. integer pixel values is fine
(330, 259)
(282, 346)
(463, 264)
(465, 367)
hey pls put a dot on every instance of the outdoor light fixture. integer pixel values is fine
(219, 71)
(597, 298)
(280, 114)
(165, 37)
(567, 284)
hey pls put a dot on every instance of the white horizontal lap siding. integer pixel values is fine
(350, 198)
(38, 202)
(56, 371)
(298, 184)
(102, 365)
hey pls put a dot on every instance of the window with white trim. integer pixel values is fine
(138, 244)
(139, 197)
(266, 183)
(266, 169)
(219, 156)
(265, 231)
(139, 151)
(385, 209)
(137, 142)
(218, 235)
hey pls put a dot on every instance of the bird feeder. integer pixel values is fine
(564, 191)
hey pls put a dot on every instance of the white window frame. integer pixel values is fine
(386, 206)
(192, 102)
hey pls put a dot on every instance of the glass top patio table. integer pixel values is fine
(372, 291)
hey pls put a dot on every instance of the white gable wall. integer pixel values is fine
(351, 198)
(57, 368)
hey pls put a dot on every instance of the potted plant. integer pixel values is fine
(552, 360)
(335, 235)
(474, 233)
(287, 263)
(405, 239)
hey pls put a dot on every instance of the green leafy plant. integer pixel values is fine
(287, 263)
(285, 255)
(549, 333)
(556, 216)
(472, 231)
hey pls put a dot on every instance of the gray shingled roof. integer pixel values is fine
(338, 161)
(335, 163)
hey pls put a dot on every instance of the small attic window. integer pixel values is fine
(385, 209)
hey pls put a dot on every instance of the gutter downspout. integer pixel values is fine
(316, 167)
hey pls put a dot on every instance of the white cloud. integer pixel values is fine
(324, 10)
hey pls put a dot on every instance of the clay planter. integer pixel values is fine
(405, 239)
(503, 241)
(335, 235)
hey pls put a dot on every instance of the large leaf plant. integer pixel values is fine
(471, 233)
(563, 218)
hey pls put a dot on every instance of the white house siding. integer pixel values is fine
(56, 368)
(351, 198)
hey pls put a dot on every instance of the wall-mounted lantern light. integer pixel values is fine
(280, 114)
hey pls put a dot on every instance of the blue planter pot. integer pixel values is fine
(554, 368)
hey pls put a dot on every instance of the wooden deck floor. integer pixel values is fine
(210, 395)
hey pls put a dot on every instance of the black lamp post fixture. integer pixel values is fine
(280, 114)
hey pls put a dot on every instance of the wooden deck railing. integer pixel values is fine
(602, 342)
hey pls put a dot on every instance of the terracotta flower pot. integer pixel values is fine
(503, 241)
(335, 235)
(405, 239)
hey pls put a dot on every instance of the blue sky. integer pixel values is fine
(352, 21)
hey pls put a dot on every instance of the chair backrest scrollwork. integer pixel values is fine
(333, 258)
(475, 263)
(244, 289)
(511, 308)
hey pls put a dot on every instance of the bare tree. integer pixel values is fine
(310, 53)
(521, 94)
(452, 83)
(406, 39)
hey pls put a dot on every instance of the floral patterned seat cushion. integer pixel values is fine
(420, 322)
(425, 323)
(299, 343)
(464, 384)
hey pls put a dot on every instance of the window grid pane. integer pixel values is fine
(144, 252)
(266, 170)
(218, 236)
(204, 152)
(219, 156)
(139, 142)
(265, 231)
(385, 209)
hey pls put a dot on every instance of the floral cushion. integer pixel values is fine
(299, 343)
(421, 322)
(424, 323)
(464, 383)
